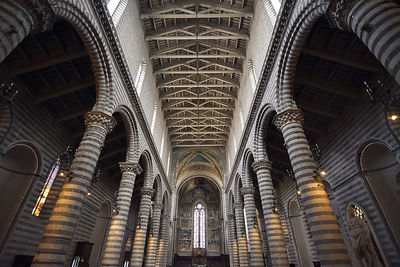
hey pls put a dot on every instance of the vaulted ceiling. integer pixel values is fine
(197, 49)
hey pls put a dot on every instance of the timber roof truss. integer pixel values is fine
(197, 49)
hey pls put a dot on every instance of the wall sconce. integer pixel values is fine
(275, 209)
(139, 225)
(116, 211)
(255, 222)
(94, 180)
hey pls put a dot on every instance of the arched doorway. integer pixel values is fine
(299, 232)
(382, 172)
(19, 164)
(99, 233)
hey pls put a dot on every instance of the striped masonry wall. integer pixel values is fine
(324, 229)
(276, 242)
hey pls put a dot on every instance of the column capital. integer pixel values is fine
(262, 165)
(231, 217)
(147, 191)
(338, 11)
(158, 206)
(130, 167)
(42, 14)
(247, 190)
(288, 116)
(237, 205)
(101, 119)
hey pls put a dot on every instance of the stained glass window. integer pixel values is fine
(199, 227)
(46, 188)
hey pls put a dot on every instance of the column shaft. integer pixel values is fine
(241, 235)
(153, 240)
(56, 240)
(325, 231)
(115, 237)
(161, 241)
(140, 235)
(276, 241)
(233, 246)
(256, 249)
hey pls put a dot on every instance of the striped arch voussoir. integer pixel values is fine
(260, 149)
(296, 35)
(90, 34)
(132, 134)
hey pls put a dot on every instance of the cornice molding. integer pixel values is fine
(118, 55)
(272, 55)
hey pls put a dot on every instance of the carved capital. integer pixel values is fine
(42, 14)
(247, 190)
(262, 165)
(100, 119)
(158, 206)
(237, 205)
(338, 11)
(231, 217)
(288, 116)
(147, 191)
(130, 167)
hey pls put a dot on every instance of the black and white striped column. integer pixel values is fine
(241, 235)
(276, 241)
(113, 246)
(18, 19)
(141, 228)
(256, 248)
(160, 258)
(376, 23)
(325, 232)
(233, 246)
(56, 240)
(154, 234)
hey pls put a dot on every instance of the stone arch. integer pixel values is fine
(369, 173)
(246, 165)
(158, 189)
(208, 177)
(148, 169)
(91, 38)
(25, 159)
(131, 132)
(260, 147)
(297, 33)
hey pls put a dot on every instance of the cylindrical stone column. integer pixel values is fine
(375, 22)
(141, 229)
(276, 241)
(256, 248)
(233, 245)
(161, 241)
(115, 237)
(56, 240)
(18, 19)
(154, 233)
(325, 231)
(241, 235)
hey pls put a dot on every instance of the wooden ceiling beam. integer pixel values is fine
(327, 112)
(73, 114)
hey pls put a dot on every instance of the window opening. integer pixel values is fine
(199, 225)
(112, 6)
(46, 188)
(139, 80)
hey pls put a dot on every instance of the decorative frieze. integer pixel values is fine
(262, 165)
(100, 119)
(130, 167)
(338, 11)
(247, 190)
(42, 14)
(287, 117)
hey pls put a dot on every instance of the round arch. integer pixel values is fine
(297, 33)
(131, 132)
(260, 147)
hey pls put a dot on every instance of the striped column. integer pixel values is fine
(276, 241)
(161, 241)
(267, 257)
(325, 232)
(18, 19)
(154, 233)
(115, 237)
(141, 229)
(256, 248)
(233, 245)
(56, 240)
(241, 235)
(376, 23)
